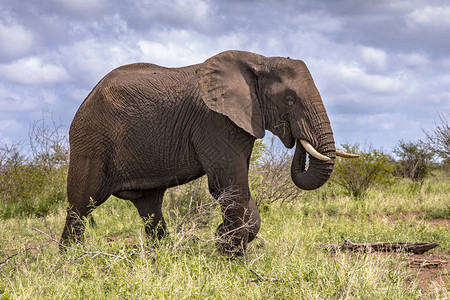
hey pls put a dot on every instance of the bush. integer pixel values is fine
(356, 176)
(34, 183)
(270, 175)
(414, 160)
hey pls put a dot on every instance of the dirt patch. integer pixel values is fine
(439, 221)
(420, 217)
(430, 271)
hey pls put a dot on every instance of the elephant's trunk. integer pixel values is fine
(318, 171)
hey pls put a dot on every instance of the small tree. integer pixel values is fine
(48, 143)
(259, 148)
(414, 160)
(356, 176)
(438, 140)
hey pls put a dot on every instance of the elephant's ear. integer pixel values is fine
(228, 85)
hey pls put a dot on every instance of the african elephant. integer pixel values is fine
(145, 128)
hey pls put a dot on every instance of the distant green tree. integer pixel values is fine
(414, 161)
(357, 175)
(258, 151)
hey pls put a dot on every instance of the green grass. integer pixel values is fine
(115, 263)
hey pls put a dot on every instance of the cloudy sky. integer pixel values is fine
(382, 67)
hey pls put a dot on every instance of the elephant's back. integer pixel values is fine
(142, 85)
(130, 98)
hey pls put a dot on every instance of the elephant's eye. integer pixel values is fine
(289, 100)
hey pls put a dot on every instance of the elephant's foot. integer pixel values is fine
(232, 242)
(71, 235)
(73, 230)
(156, 234)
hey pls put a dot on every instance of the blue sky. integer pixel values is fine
(382, 67)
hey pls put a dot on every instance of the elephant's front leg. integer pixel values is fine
(233, 234)
(252, 219)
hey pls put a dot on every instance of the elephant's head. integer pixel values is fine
(277, 94)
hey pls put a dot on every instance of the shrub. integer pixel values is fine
(34, 183)
(356, 176)
(414, 160)
(270, 175)
(445, 165)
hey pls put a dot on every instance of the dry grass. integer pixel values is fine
(283, 263)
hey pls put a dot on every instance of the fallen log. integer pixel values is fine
(416, 248)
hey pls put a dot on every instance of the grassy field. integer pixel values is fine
(285, 262)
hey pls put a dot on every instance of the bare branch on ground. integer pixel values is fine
(260, 278)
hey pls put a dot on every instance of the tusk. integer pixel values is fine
(313, 152)
(346, 155)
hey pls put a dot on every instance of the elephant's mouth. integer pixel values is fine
(286, 136)
(288, 142)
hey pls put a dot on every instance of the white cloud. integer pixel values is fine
(33, 71)
(414, 59)
(369, 61)
(432, 16)
(87, 61)
(372, 82)
(196, 14)
(8, 128)
(175, 48)
(382, 130)
(81, 7)
(16, 99)
(170, 54)
(18, 103)
(342, 76)
(375, 58)
(315, 21)
(195, 9)
(15, 41)
(9, 125)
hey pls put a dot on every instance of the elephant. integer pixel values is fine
(145, 128)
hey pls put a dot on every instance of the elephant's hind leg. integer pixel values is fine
(75, 225)
(85, 191)
(149, 206)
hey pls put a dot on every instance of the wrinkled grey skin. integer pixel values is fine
(145, 128)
